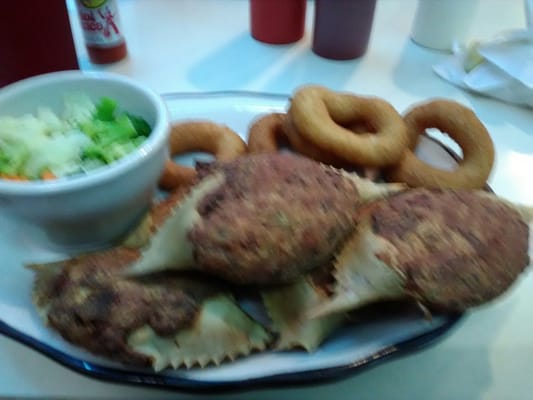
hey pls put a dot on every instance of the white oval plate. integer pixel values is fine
(375, 337)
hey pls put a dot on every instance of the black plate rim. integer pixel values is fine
(291, 379)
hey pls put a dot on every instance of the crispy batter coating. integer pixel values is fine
(198, 135)
(92, 306)
(277, 216)
(465, 128)
(457, 249)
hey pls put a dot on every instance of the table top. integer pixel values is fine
(204, 46)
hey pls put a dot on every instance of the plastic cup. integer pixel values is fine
(439, 24)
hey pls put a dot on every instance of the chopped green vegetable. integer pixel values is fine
(105, 109)
(12, 157)
(141, 126)
(88, 136)
(109, 131)
(113, 138)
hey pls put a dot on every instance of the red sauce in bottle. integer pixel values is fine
(342, 28)
(35, 38)
(102, 31)
(277, 21)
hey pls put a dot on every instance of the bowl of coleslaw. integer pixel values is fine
(80, 156)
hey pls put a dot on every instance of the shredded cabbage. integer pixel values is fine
(85, 136)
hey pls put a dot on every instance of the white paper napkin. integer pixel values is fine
(501, 68)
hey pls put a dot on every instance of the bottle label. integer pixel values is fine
(100, 22)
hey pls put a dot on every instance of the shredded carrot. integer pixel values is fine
(47, 175)
(13, 177)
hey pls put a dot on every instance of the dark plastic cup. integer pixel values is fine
(342, 28)
(35, 38)
(277, 21)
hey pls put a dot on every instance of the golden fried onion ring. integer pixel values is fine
(270, 132)
(219, 140)
(320, 115)
(303, 146)
(266, 133)
(464, 127)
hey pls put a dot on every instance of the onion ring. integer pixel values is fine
(270, 132)
(320, 115)
(303, 146)
(219, 140)
(267, 133)
(464, 127)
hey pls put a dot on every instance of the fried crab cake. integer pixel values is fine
(164, 320)
(260, 219)
(446, 249)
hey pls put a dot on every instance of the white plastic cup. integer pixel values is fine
(439, 24)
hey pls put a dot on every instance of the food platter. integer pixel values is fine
(378, 334)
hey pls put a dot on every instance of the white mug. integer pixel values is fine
(438, 24)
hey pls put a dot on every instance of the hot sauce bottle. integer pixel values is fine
(102, 31)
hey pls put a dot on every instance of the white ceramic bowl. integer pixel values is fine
(94, 209)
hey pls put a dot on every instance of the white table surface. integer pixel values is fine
(205, 45)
